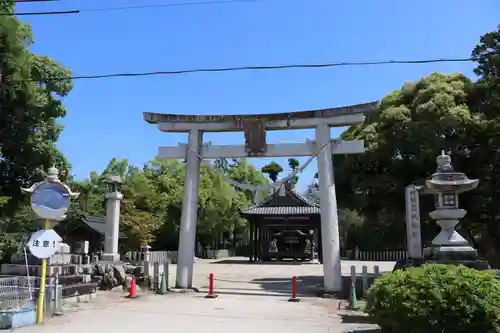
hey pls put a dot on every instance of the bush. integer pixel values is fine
(436, 299)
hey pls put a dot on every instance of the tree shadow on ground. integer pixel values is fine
(306, 285)
(309, 285)
(247, 262)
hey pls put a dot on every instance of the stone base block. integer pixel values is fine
(56, 259)
(450, 253)
(79, 289)
(478, 263)
(112, 257)
(35, 270)
(184, 290)
(313, 261)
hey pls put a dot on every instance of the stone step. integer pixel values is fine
(79, 289)
(35, 270)
(56, 259)
(34, 281)
(74, 279)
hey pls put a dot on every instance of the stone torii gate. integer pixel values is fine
(255, 127)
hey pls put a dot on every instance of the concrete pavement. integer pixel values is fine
(251, 298)
(192, 313)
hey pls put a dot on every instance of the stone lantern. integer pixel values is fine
(449, 246)
(112, 227)
(113, 184)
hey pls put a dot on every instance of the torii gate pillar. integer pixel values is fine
(320, 120)
(187, 232)
(329, 215)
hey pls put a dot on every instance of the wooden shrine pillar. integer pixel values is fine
(320, 245)
(261, 242)
(255, 242)
(250, 241)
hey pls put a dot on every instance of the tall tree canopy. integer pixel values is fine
(153, 197)
(486, 95)
(412, 125)
(29, 108)
(272, 170)
(294, 163)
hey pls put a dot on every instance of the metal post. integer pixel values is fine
(147, 274)
(329, 217)
(43, 280)
(57, 295)
(156, 275)
(166, 273)
(187, 233)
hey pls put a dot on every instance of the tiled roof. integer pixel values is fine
(98, 224)
(292, 203)
(281, 210)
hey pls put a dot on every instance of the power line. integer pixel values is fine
(108, 9)
(21, 1)
(180, 4)
(24, 1)
(248, 68)
(64, 12)
(33, 13)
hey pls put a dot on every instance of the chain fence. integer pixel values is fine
(17, 292)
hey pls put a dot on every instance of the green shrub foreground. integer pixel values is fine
(436, 299)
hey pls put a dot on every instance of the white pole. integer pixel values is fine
(329, 218)
(187, 233)
(30, 291)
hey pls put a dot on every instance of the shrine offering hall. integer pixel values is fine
(285, 226)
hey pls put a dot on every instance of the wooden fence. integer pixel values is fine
(386, 255)
(136, 257)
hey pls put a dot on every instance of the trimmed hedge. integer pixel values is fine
(436, 299)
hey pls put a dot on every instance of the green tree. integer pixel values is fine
(485, 98)
(218, 203)
(402, 140)
(294, 163)
(484, 153)
(272, 170)
(29, 108)
(245, 172)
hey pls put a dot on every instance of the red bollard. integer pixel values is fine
(132, 292)
(294, 291)
(211, 293)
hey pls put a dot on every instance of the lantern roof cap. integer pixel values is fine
(113, 179)
(446, 179)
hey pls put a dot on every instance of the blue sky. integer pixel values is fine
(105, 116)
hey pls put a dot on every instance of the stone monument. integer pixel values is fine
(449, 246)
(112, 229)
